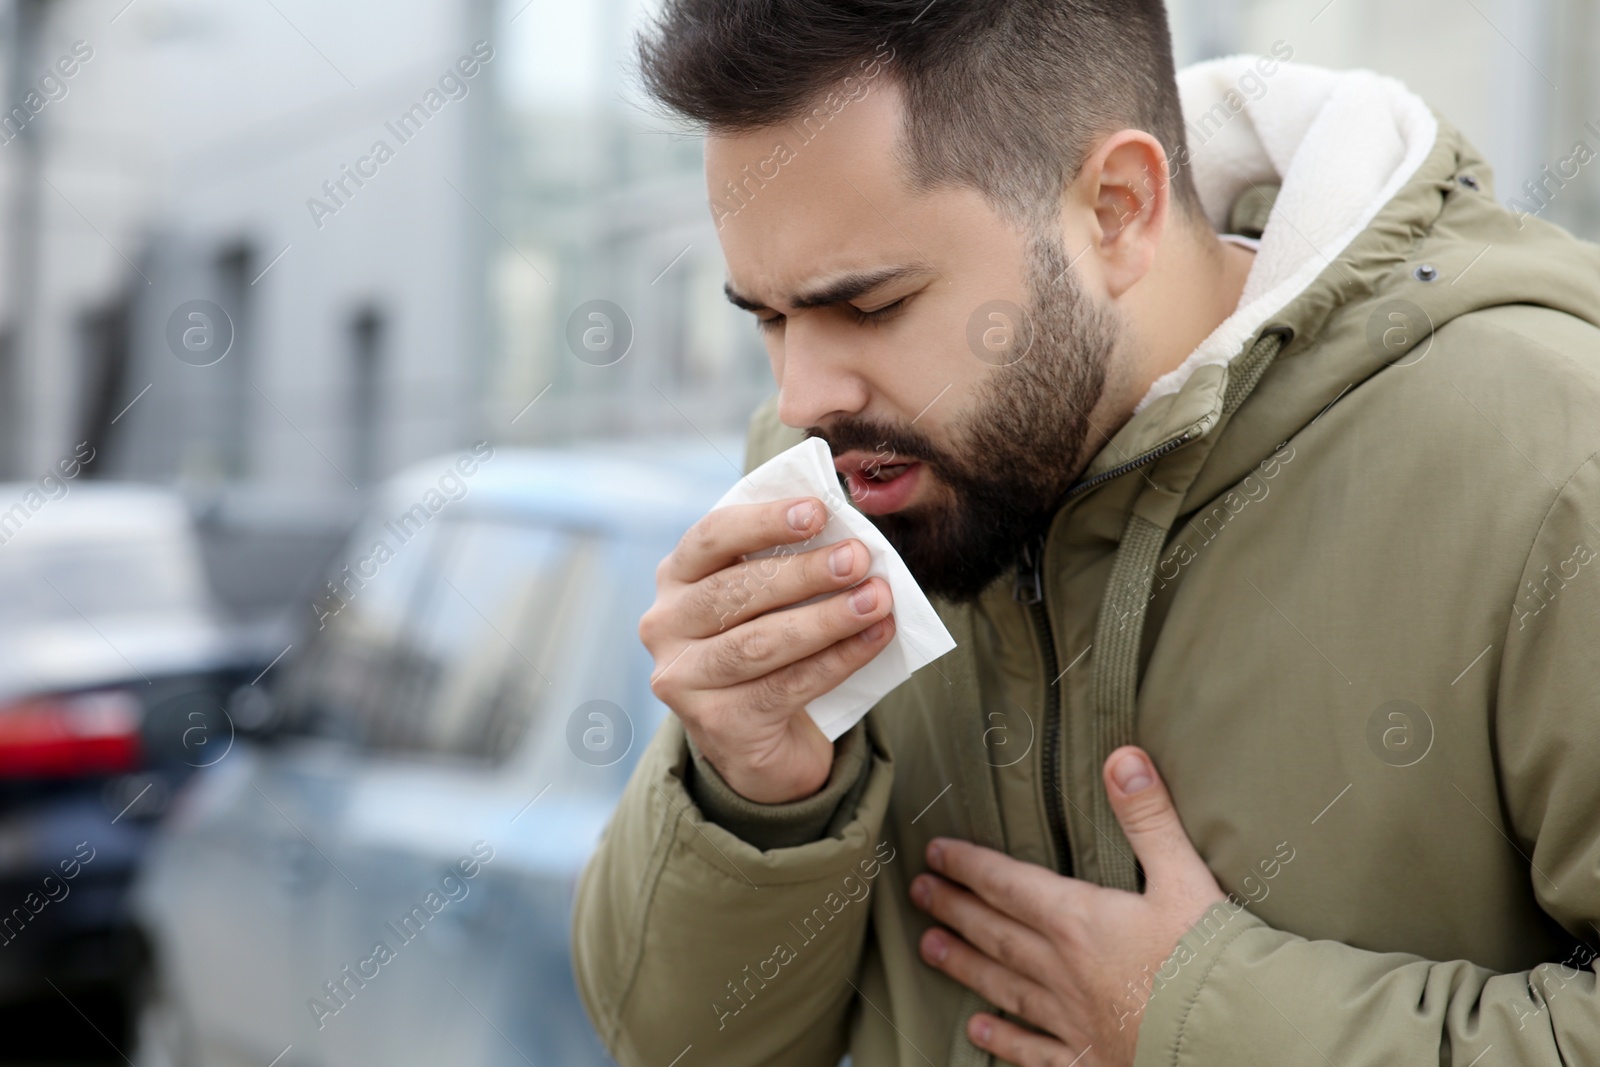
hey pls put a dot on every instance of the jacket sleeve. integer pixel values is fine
(768, 826)
(1248, 994)
(686, 934)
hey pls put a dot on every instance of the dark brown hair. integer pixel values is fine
(1005, 96)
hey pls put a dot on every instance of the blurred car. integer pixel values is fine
(385, 873)
(108, 645)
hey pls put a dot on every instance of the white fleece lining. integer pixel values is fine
(1340, 143)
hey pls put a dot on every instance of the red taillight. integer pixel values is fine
(63, 736)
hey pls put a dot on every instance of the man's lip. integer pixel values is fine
(881, 498)
(859, 460)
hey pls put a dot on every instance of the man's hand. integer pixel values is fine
(737, 671)
(1060, 953)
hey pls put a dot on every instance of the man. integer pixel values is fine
(1249, 448)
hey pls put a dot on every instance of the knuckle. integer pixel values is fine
(1148, 814)
(1004, 948)
(844, 656)
(1028, 1004)
(794, 629)
(826, 671)
(1062, 930)
(710, 598)
(767, 568)
(650, 624)
(730, 595)
(665, 688)
(701, 538)
(724, 658)
(1068, 933)
(753, 645)
(782, 689)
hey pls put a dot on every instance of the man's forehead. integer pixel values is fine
(809, 216)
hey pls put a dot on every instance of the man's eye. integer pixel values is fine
(769, 324)
(888, 311)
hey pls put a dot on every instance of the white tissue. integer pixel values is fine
(920, 635)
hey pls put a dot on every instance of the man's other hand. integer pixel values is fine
(1059, 953)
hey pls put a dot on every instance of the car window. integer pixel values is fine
(590, 741)
(488, 634)
(338, 684)
(449, 647)
(97, 579)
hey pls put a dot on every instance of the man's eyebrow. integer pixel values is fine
(837, 290)
(742, 302)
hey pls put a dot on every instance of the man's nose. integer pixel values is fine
(818, 380)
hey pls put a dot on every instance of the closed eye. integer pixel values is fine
(861, 318)
(883, 314)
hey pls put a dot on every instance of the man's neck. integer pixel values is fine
(1195, 284)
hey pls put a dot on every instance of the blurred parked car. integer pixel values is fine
(385, 874)
(113, 670)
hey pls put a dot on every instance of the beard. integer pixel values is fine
(1021, 447)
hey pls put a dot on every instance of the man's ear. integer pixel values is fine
(1126, 184)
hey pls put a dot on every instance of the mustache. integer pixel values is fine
(891, 443)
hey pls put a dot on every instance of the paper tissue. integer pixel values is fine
(920, 635)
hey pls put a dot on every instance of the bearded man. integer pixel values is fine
(1249, 449)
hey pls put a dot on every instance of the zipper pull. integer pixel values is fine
(1030, 582)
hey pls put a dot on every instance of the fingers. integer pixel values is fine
(1144, 808)
(765, 644)
(1024, 891)
(734, 595)
(1000, 986)
(995, 935)
(725, 535)
(1015, 1044)
(787, 689)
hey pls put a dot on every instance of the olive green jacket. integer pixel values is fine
(1344, 590)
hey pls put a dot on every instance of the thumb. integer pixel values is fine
(1144, 808)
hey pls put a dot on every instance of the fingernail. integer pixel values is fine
(935, 948)
(863, 600)
(981, 1031)
(839, 560)
(921, 891)
(935, 856)
(800, 516)
(1131, 773)
(875, 631)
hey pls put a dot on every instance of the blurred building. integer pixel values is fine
(1518, 77)
(605, 200)
(163, 158)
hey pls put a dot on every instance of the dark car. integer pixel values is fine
(114, 669)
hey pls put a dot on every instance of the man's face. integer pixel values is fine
(950, 360)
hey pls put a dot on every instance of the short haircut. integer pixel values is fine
(1004, 96)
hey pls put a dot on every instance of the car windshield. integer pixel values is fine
(94, 579)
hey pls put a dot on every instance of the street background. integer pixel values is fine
(213, 283)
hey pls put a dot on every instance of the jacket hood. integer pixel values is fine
(1337, 146)
(1383, 228)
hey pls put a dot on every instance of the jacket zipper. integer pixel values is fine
(1137, 461)
(1029, 590)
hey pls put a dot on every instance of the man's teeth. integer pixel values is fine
(884, 473)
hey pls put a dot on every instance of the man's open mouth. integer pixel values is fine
(875, 487)
(886, 473)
